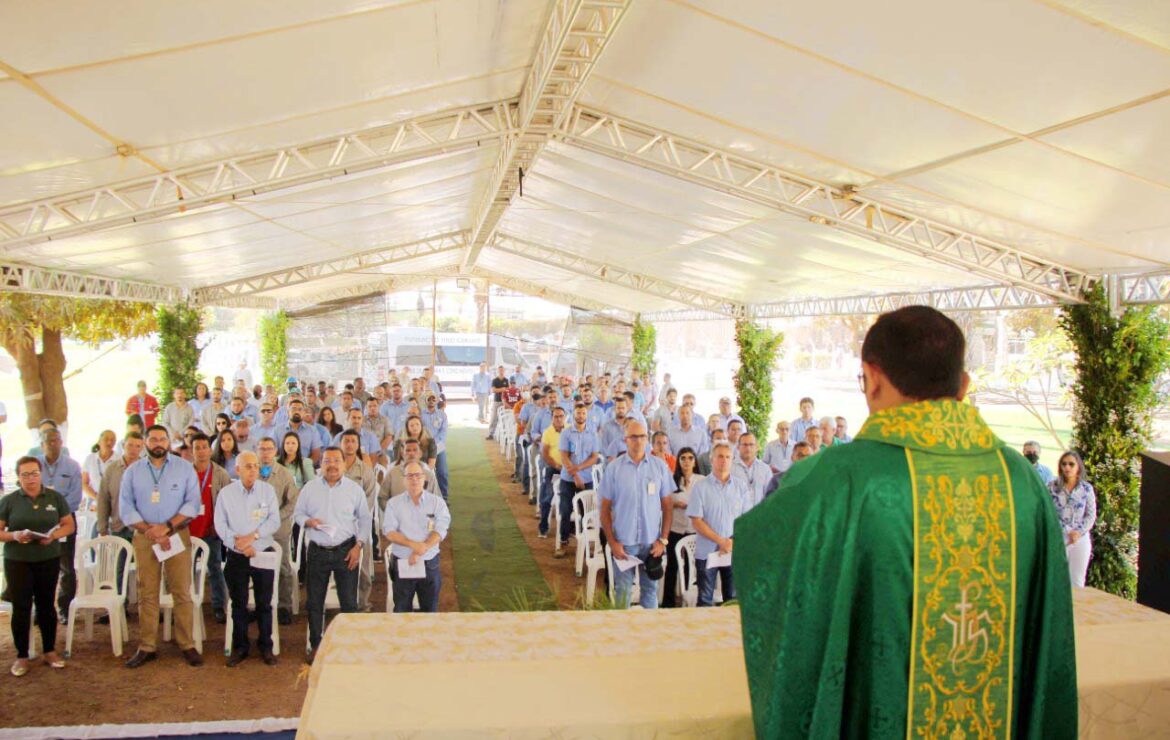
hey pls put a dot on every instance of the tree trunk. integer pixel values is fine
(22, 347)
(52, 369)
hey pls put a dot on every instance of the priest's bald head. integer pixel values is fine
(913, 354)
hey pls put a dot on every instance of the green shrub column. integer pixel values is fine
(1118, 362)
(274, 348)
(759, 349)
(645, 343)
(178, 349)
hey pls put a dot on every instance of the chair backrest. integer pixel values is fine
(684, 552)
(276, 575)
(199, 554)
(596, 471)
(380, 472)
(104, 553)
(298, 549)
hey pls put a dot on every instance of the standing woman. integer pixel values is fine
(200, 402)
(1076, 506)
(94, 467)
(31, 563)
(414, 429)
(226, 452)
(686, 475)
(301, 468)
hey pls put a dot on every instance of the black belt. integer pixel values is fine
(347, 545)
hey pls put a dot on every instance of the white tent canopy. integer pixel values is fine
(724, 157)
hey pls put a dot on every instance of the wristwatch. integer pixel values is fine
(664, 541)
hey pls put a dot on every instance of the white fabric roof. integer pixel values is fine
(1036, 124)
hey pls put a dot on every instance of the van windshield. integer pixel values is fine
(445, 354)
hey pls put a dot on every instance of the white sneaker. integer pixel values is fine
(542, 535)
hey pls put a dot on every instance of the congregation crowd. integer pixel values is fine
(250, 472)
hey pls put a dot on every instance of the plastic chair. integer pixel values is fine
(684, 552)
(100, 589)
(597, 470)
(380, 472)
(166, 602)
(227, 634)
(295, 558)
(554, 516)
(533, 477)
(584, 502)
(635, 587)
(594, 559)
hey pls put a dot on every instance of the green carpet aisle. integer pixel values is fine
(494, 569)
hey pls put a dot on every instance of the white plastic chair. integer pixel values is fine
(594, 559)
(635, 587)
(533, 477)
(684, 552)
(584, 502)
(596, 471)
(166, 602)
(295, 558)
(380, 472)
(100, 589)
(227, 635)
(554, 515)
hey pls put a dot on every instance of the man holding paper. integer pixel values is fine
(715, 503)
(157, 499)
(332, 510)
(415, 523)
(247, 515)
(636, 509)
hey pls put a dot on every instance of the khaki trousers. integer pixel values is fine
(178, 569)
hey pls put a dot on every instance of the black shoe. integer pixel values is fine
(104, 619)
(140, 658)
(193, 658)
(269, 658)
(220, 616)
(237, 657)
(284, 616)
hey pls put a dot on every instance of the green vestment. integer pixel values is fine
(912, 583)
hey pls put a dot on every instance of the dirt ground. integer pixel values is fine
(96, 688)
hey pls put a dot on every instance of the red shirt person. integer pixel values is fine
(143, 404)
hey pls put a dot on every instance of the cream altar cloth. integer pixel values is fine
(636, 674)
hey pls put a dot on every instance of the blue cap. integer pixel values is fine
(291, 381)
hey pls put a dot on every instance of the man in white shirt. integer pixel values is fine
(242, 373)
(247, 516)
(336, 518)
(778, 453)
(415, 523)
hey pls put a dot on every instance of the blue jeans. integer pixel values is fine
(623, 582)
(215, 571)
(568, 491)
(546, 497)
(427, 588)
(706, 582)
(441, 472)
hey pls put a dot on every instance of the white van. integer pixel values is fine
(457, 356)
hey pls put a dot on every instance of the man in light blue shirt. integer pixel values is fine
(415, 522)
(63, 475)
(239, 409)
(805, 421)
(531, 407)
(336, 518)
(1032, 453)
(613, 431)
(481, 386)
(595, 415)
(396, 409)
(686, 434)
(715, 503)
(749, 468)
(435, 421)
(580, 451)
(247, 516)
(726, 416)
(518, 377)
(267, 426)
(370, 443)
(604, 402)
(636, 507)
(157, 499)
(301, 425)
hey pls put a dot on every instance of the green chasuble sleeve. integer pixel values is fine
(911, 584)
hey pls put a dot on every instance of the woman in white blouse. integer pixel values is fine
(685, 477)
(95, 465)
(1076, 506)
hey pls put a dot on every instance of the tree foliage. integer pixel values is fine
(274, 347)
(759, 349)
(1118, 362)
(1037, 382)
(31, 321)
(178, 349)
(644, 338)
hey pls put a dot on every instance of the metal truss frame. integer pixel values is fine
(549, 294)
(819, 202)
(1148, 289)
(574, 37)
(187, 188)
(386, 285)
(616, 275)
(328, 268)
(46, 281)
(974, 298)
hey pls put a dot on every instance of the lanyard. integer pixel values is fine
(204, 479)
(161, 473)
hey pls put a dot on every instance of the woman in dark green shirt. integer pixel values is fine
(31, 559)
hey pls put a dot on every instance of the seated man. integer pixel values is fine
(415, 523)
(395, 481)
